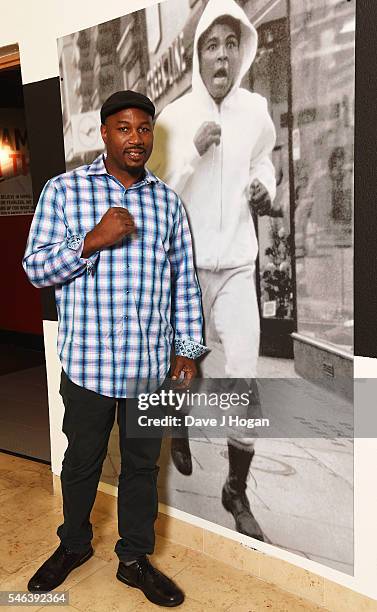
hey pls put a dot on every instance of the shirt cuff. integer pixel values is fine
(187, 347)
(75, 242)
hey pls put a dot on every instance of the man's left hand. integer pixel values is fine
(259, 198)
(185, 365)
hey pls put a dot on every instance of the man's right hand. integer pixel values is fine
(115, 224)
(208, 134)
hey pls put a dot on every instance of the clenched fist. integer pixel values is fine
(115, 224)
(259, 198)
(208, 134)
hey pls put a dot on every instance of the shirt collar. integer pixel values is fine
(97, 167)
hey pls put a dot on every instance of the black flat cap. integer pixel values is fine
(126, 99)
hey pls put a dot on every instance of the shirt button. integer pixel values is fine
(127, 291)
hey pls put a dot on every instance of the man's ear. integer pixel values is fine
(104, 133)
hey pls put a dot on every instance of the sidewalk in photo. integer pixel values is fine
(300, 489)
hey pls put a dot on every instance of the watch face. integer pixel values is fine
(88, 132)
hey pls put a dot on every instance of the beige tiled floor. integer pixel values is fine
(30, 514)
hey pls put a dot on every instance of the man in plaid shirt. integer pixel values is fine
(114, 241)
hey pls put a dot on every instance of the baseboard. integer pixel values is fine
(286, 576)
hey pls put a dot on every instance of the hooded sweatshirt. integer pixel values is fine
(214, 187)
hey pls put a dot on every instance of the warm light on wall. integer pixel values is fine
(12, 163)
(4, 154)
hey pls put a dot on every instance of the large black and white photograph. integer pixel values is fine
(254, 132)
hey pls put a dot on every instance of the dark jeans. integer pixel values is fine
(88, 421)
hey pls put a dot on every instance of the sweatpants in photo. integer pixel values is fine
(232, 328)
(231, 316)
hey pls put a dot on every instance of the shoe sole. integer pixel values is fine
(81, 562)
(135, 586)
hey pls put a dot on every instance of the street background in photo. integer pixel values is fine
(300, 484)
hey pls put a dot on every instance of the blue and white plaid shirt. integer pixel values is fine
(120, 309)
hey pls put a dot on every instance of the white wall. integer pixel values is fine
(35, 26)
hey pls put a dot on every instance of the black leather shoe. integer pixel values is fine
(236, 502)
(157, 587)
(56, 569)
(181, 455)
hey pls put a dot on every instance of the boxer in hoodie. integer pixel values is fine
(213, 146)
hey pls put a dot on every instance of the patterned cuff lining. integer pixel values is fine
(74, 242)
(185, 347)
(89, 267)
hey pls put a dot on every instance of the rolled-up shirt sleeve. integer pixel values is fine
(187, 318)
(53, 251)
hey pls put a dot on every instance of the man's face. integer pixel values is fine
(219, 57)
(128, 136)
